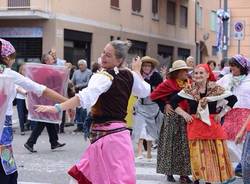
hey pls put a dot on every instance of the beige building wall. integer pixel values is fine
(240, 11)
(102, 20)
(204, 32)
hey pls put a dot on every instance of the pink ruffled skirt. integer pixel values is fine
(109, 160)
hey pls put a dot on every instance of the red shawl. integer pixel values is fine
(166, 88)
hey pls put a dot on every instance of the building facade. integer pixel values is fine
(164, 29)
(206, 30)
(240, 13)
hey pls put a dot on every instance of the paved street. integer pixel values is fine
(47, 166)
(50, 167)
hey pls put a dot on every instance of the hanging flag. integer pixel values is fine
(219, 31)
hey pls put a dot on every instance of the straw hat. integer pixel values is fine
(179, 65)
(147, 59)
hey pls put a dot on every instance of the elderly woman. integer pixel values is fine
(238, 82)
(208, 150)
(173, 151)
(110, 157)
(147, 112)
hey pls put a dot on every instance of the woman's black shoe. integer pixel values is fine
(185, 180)
(170, 178)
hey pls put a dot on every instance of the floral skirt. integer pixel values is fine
(210, 160)
(173, 151)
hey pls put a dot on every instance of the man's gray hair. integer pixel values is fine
(45, 57)
(82, 62)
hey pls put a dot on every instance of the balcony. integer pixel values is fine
(25, 9)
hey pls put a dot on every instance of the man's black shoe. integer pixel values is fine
(58, 145)
(30, 148)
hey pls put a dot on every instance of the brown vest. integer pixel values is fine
(112, 105)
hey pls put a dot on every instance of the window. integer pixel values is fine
(77, 46)
(213, 21)
(155, 7)
(27, 50)
(199, 14)
(136, 5)
(165, 55)
(183, 16)
(171, 9)
(138, 48)
(214, 51)
(114, 3)
(183, 53)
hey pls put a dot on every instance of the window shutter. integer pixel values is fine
(154, 6)
(18, 3)
(136, 5)
(114, 3)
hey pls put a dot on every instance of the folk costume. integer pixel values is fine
(208, 150)
(109, 158)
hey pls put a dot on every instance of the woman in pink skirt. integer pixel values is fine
(238, 81)
(110, 158)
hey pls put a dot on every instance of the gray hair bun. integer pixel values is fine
(121, 48)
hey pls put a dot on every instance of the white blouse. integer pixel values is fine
(242, 91)
(25, 83)
(100, 83)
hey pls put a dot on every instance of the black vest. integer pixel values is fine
(112, 105)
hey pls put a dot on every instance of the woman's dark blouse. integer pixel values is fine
(212, 106)
(154, 80)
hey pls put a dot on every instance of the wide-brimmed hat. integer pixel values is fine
(179, 65)
(147, 59)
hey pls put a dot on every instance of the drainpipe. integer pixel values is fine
(225, 32)
(197, 45)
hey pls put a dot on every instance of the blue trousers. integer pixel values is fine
(22, 114)
(80, 117)
(246, 160)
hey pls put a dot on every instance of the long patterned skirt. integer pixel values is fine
(173, 151)
(233, 122)
(210, 160)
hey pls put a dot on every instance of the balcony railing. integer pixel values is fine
(18, 4)
(25, 9)
(41, 5)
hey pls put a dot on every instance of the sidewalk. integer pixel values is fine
(146, 172)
